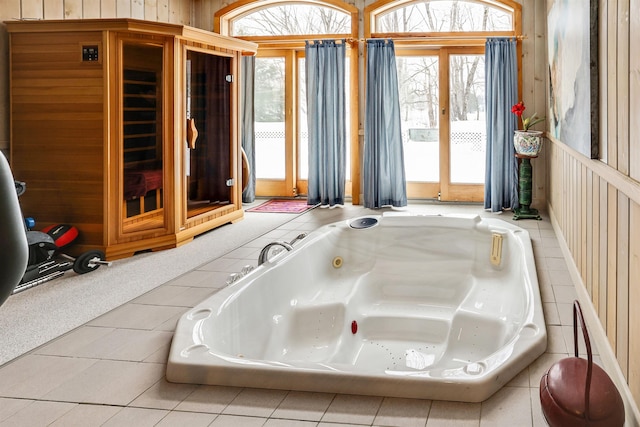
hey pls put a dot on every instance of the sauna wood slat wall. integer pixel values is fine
(67, 104)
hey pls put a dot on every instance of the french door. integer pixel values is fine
(443, 122)
(281, 136)
(275, 119)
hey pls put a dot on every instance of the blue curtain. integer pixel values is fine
(501, 73)
(247, 131)
(383, 171)
(325, 74)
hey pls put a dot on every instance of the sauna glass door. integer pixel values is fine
(208, 121)
(142, 136)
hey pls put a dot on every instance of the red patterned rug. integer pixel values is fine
(283, 206)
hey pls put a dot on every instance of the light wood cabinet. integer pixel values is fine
(126, 129)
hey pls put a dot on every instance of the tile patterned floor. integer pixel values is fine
(110, 371)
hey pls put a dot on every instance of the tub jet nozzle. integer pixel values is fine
(337, 262)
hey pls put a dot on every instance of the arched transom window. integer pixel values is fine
(287, 20)
(442, 17)
(292, 19)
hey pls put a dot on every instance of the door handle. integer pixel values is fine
(192, 133)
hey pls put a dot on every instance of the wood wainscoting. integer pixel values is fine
(596, 213)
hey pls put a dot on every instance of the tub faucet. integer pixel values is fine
(298, 237)
(264, 253)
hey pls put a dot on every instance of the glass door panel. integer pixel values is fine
(419, 111)
(443, 127)
(271, 126)
(464, 112)
(208, 155)
(142, 136)
(303, 129)
(467, 119)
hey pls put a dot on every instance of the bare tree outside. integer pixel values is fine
(444, 16)
(293, 19)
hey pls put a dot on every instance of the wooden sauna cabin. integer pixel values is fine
(126, 129)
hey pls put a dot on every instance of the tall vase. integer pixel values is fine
(527, 142)
(527, 145)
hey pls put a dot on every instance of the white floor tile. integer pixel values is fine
(38, 413)
(238, 421)
(352, 409)
(138, 417)
(108, 382)
(299, 405)
(87, 415)
(33, 376)
(510, 406)
(454, 414)
(137, 316)
(9, 406)
(255, 402)
(191, 419)
(164, 395)
(211, 399)
(403, 412)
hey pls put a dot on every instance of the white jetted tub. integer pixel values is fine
(403, 305)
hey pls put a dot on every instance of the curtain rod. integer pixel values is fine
(436, 38)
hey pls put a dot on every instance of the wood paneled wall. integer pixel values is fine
(596, 203)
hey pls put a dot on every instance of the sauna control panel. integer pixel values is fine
(90, 53)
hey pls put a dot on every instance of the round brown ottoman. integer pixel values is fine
(577, 392)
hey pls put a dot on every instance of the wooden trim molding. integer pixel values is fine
(629, 186)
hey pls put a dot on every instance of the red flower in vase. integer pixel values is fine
(527, 122)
